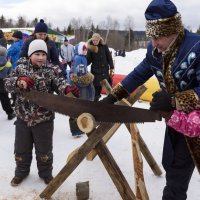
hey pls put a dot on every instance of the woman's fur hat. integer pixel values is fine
(90, 44)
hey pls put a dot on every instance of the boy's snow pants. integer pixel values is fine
(40, 136)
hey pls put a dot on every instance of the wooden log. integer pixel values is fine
(140, 188)
(86, 122)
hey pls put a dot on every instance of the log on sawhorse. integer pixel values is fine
(93, 140)
(143, 147)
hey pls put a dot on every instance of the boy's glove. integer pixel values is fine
(110, 99)
(73, 89)
(162, 101)
(25, 82)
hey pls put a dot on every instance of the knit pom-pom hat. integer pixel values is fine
(41, 27)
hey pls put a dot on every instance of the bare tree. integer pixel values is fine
(2, 21)
(116, 25)
(34, 22)
(75, 24)
(88, 25)
(109, 24)
(129, 25)
(21, 22)
(10, 23)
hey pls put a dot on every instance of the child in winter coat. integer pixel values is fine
(79, 74)
(5, 69)
(80, 77)
(35, 124)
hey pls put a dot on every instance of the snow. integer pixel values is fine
(101, 185)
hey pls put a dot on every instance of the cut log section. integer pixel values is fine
(86, 122)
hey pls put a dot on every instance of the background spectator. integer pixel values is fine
(5, 69)
(14, 50)
(101, 61)
(67, 54)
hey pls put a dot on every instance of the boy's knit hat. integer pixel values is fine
(17, 34)
(162, 19)
(41, 27)
(37, 45)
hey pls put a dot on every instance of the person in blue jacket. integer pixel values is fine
(14, 49)
(40, 32)
(173, 56)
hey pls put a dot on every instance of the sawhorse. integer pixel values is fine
(95, 141)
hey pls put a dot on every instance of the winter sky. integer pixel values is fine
(60, 12)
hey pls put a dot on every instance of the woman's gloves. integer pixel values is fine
(25, 82)
(162, 101)
(73, 89)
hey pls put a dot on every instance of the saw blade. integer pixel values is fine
(102, 112)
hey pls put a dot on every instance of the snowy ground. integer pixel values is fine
(101, 186)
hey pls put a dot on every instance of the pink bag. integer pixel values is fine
(188, 124)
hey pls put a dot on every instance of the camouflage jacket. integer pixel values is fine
(46, 79)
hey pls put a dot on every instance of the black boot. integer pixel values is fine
(16, 180)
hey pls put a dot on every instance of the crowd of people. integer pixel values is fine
(36, 64)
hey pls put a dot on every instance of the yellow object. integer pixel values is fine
(152, 86)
